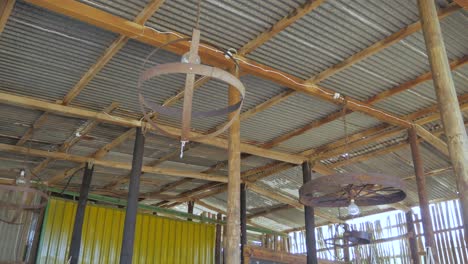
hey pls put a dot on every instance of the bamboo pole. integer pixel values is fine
(448, 103)
(422, 193)
(413, 246)
(233, 255)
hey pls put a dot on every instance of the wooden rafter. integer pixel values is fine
(373, 100)
(209, 55)
(378, 46)
(83, 130)
(6, 7)
(95, 69)
(285, 22)
(110, 164)
(25, 102)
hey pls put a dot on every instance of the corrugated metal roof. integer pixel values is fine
(227, 24)
(44, 54)
(294, 112)
(333, 32)
(328, 133)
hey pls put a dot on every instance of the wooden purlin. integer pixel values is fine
(209, 55)
(6, 7)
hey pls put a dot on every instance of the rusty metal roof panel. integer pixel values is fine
(328, 133)
(333, 32)
(294, 112)
(43, 54)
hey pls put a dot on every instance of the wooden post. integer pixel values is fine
(243, 219)
(190, 206)
(80, 213)
(218, 245)
(232, 250)
(413, 246)
(448, 103)
(309, 220)
(422, 192)
(126, 252)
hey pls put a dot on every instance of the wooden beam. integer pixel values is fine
(457, 63)
(438, 143)
(110, 164)
(452, 118)
(210, 55)
(6, 7)
(285, 22)
(462, 3)
(129, 122)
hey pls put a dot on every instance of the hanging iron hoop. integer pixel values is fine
(190, 69)
(366, 189)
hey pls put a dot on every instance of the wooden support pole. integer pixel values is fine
(79, 216)
(190, 206)
(413, 245)
(126, 252)
(232, 250)
(218, 245)
(243, 219)
(309, 220)
(422, 192)
(452, 118)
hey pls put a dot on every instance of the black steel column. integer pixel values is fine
(190, 206)
(309, 220)
(79, 217)
(243, 219)
(126, 252)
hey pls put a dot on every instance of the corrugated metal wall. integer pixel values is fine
(157, 239)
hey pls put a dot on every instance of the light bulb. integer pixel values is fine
(21, 180)
(186, 56)
(353, 209)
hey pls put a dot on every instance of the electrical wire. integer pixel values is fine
(69, 180)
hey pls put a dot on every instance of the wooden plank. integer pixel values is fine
(285, 22)
(6, 7)
(210, 55)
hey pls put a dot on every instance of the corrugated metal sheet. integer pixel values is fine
(294, 112)
(328, 133)
(333, 32)
(43, 54)
(17, 238)
(423, 95)
(157, 239)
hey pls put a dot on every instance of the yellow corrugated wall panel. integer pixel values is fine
(157, 239)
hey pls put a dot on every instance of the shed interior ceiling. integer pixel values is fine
(44, 54)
